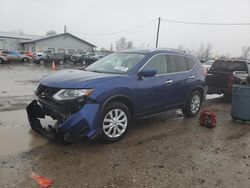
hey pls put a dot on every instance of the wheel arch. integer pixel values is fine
(199, 89)
(119, 98)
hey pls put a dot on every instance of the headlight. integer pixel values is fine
(69, 94)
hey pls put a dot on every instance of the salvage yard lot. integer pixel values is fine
(164, 151)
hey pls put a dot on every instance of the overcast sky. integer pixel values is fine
(95, 21)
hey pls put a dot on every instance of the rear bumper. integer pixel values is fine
(82, 124)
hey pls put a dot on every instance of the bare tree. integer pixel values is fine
(122, 43)
(245, 51)
(51, 32)
(207, 51)
(204, 51)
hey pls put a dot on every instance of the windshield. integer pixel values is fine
(117, 63)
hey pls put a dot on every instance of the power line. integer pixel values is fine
(117, 32)
(206, 23)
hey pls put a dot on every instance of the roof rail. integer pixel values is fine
(173, 49)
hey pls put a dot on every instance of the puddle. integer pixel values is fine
(15, 133)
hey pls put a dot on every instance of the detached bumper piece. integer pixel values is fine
(62, 128)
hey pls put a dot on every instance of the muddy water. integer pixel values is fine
(15, 133)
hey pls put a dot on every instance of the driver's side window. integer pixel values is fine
(159, 63)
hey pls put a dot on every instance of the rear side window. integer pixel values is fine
(229, 66)
(177, 63)
(191, 62)
(158, 62)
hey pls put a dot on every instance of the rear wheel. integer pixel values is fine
(25, 60)
(193, 104)
(116, 120)
(1, 61)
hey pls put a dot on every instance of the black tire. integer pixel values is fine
(187, 110)
(227, 97)
(25, 60)
(41, 62)
(1, 61)
(107, 110)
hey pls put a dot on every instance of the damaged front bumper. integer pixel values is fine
(83, 123)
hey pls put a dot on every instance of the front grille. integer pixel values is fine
(46, 93)
(45, 97)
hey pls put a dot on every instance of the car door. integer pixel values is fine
(153, 93)
(181, 76)
(16, 56)
(11, 56)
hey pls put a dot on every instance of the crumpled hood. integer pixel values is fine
(74, 79)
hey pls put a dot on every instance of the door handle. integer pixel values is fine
(169, 82)
(191, 77)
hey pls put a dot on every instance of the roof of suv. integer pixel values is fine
(159, 50)
(234, 60)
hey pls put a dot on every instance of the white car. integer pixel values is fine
(207, 65)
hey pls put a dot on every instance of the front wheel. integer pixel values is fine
(42, 62)
(116, 120)
(193, 104)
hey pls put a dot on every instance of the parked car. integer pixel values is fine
(3, 59)
(102, 100)
(78, 56)
(14, 56)
(207, 65)
(30, 54)
(90, 58)
(42, 58)
(85, 59)
(38, 56)
(220, 78)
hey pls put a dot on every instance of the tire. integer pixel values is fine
(227, 97)
(42, 62)
(1, 61)
(25, 60)
(110, 124)
(61, 62)
(193, 104)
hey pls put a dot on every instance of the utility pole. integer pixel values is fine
(158, 31)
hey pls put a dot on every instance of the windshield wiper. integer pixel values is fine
(95, 71)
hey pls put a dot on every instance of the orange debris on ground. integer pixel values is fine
(42, 181)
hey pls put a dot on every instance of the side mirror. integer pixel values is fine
(149, 72)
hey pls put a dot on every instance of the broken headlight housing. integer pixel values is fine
(70, 94)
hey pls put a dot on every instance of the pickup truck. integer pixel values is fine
(222, 76)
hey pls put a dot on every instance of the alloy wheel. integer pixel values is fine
(195, 104)
(115, 123)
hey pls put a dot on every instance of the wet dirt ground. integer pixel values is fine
(164, 151)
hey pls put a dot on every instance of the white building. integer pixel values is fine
(60, 43)
(12, 41)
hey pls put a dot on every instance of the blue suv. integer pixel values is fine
(102, 100)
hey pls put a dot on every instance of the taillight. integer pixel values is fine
(230, 81)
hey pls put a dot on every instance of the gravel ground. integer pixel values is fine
(164, 151)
